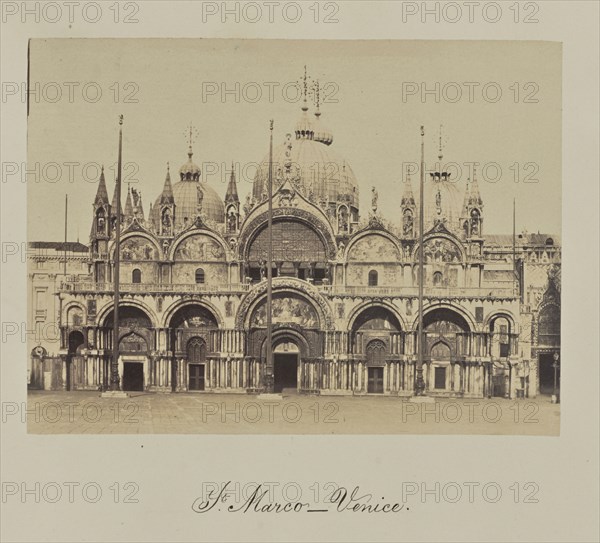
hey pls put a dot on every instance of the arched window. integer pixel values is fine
(373, 277)
(196, 351)
(438, 279)
(199, 275)
(376, 350)
(136, 276)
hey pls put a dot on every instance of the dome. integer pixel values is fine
(321, 170)
(443, 201)
(185, 194)
(190, 171)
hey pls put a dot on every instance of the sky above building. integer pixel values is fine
(499, 105)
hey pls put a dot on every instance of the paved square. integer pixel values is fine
(196, 413)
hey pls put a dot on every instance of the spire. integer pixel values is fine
(101, 193)
(128, 206)
(232, 195)
(467, 195)
(114, 201)
(474, 195)
(408, 198)
(140, 207)
(166, 196)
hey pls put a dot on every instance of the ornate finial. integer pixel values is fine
(317, 96)
(120, 119)
(422, 131)
(102, 169)
(271, 125)
(440, 155)
(190, 133)
(305, 90)
(168, 166)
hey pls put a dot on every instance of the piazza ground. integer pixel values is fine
(196, 413)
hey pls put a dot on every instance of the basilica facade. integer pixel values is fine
(345, 287)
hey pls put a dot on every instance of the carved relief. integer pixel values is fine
(138, 248)
(286, 309)
(200, 248)
(441, 250)
(374, 248)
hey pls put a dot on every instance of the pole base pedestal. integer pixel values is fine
(114, 394)
(421, 399)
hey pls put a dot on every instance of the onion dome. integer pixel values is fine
(322, 134)
(304, 127)
(322, 172)
(190, 171)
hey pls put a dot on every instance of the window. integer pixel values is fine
(199, 275)
(373, 278)
(376, 350)
(136, 276)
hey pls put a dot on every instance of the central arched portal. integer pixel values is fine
(286, 361)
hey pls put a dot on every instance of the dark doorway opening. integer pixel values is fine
(375, 382)
(440, 377)
(546, 369)
(196, 376)
(133, 376)
(285, 368)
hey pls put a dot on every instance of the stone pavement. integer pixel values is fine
(210, 413)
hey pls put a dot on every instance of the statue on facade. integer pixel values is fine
(374, 199)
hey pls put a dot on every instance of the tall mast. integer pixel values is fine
(514, 247)
(269, 352)
(114, 367)
(65, 251)
(420, 384)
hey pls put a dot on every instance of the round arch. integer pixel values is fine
(370, 232)
(251, 231)
(501, 314)
(175, 307)
(137, 234)
(71, 305)
(107, 310)
(197, 232)
(465, 315)
(289, 285)
(287, 334)
(374, 304)
(443, 237)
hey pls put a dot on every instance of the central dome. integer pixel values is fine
(187, 194)
(321, 170)
(443, 201)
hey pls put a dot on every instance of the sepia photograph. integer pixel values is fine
(365, 233)
(299, 271)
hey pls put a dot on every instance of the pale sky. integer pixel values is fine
(374, 127)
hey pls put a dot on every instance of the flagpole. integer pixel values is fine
(269, 350)
(514, 247)
(420, 384)
(65, 251)
(114, 368)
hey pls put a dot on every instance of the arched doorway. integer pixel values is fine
(133, 349)
(376, 353)
(196, 357)
(286, 358)
(191, 334)
(446, 336)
